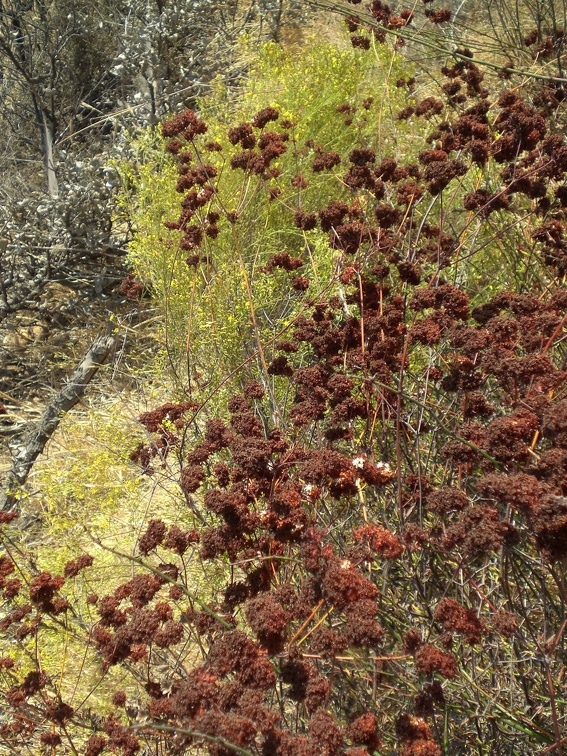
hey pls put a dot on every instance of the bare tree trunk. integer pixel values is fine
(52, 184)
(34, 443)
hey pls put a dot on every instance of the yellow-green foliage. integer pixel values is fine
(218, 315)
(88, 489)
(307, 85)
(93, 500)
(87, 481)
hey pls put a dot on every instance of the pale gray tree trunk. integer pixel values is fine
(48, 160)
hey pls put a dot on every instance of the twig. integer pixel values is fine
(217, 739)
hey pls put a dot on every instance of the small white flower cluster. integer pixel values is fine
(359, 463)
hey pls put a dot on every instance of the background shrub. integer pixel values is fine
(214, 317)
